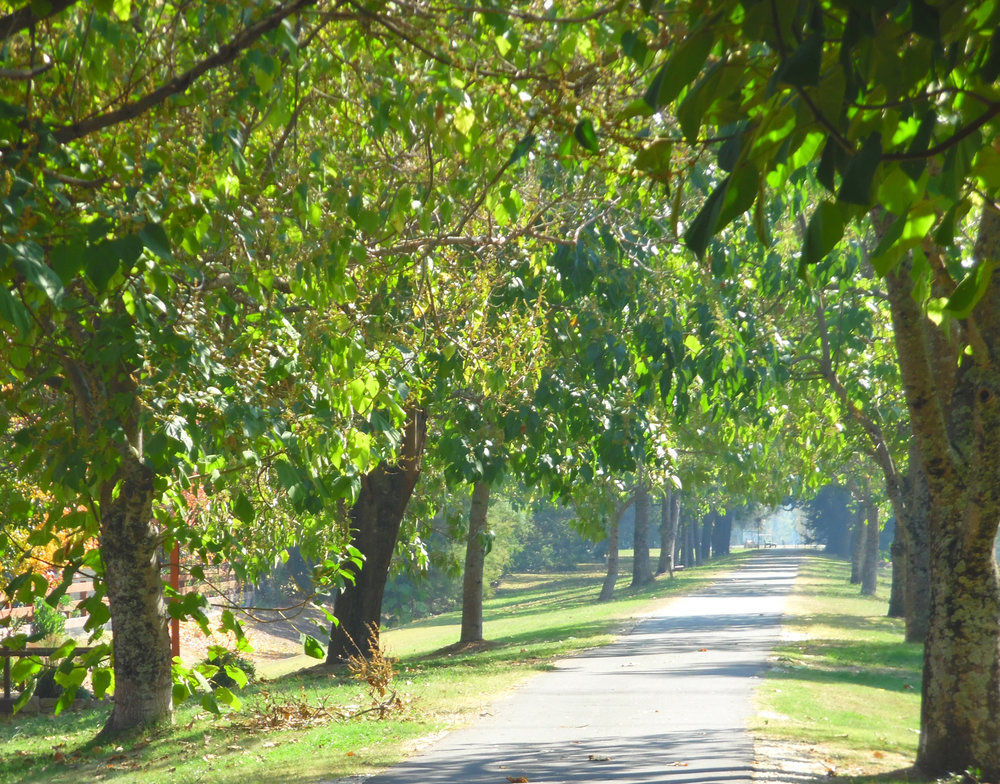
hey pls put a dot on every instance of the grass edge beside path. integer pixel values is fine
(842, 697)
(532, 619)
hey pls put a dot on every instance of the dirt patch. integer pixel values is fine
(783, 762)
(272, 636)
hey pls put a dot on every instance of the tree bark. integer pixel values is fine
(669, 512)
(857, 548)
(375, 520)
(897, 591)
(691, 552)
(129, 543)
(722, 532)
(475, 559)
(869, 571)
(704, 543)
(916, 524)
(957, 431)
(641, 571)
(611, 574)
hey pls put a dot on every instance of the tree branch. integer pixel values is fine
(181, 83)
(27, 15)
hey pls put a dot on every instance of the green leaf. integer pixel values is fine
(14, 312)
(926, 19)
(970, 290)
(63, 650)
(226, 697)
(30, 263)
(237, 675)
(586, 135)
(209, 703)
(703, 227)
(831, 160)
(101, 680)
(312, 647)
(744, 185)
(243, 509)
(155, 239)
(921, 140)
(856, 187)
(180, 692)
(803, 65)
(522, 148)
(681, 69)
(990, 69)
(24, 668)
(826, 227)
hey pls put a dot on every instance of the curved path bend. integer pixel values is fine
(667, 703)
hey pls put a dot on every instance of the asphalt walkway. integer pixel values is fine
(667, 703)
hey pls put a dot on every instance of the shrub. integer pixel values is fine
(223, 659)
(48, 621)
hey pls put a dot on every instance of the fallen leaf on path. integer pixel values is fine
(680, 764)
(517, 780)
(595, 758)
(702, 650)
(878, 754)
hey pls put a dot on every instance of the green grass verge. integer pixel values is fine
(845, 688)
(531, 620)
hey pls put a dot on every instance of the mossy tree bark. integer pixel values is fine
(129, 543)
(957, 431)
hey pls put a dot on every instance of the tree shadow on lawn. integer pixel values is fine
(880, 655)
(891, 680)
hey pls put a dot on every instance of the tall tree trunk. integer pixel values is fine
(857, 548)
(691, 552)
(957, 429)
(475, 559)
(641, 571)
(611, 574)
(668, 532)
(375, 520)
(722, 532)
(129, 543)
(897, 592)
(916, 520)
(705, 539)
(869, 571)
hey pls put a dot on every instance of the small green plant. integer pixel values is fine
(48, 621)
(227, 660)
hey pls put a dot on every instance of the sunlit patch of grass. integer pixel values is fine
(531, 620)
(844, 682)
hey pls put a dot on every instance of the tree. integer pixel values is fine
(876, 104)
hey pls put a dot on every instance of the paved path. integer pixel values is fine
(667, 703)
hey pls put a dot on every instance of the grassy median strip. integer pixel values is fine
(286, 730)
(844, 692)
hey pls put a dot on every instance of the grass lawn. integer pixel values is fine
(845, 689)
(531, 620)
